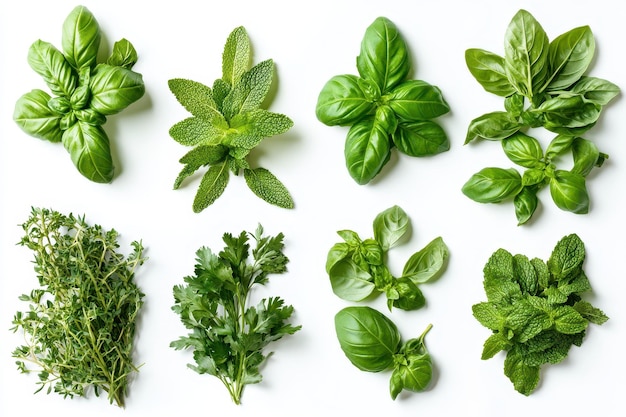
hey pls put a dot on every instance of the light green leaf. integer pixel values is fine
(197, 98)
(349, 281)
(50, 63)
(212, 186)
(343, 101)
(114, 88)
(492, 185)
(266, 186)
(428, 263)
(524, 378)
(123, 54)
(236, 57)
(33, 115)
(569, 56)
(596, 90)
(492, 126)
(390, 226)
(194, 131)
(250, 92)
(248, 129)
(488, 69)
(415, 100)
(90, 151)
(523, 150)
(80, 38)
(367, 150)
(569, 192)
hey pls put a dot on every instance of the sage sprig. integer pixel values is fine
(84, 92)
(227, 121)
(544, 84)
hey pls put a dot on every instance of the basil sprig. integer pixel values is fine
(84, 92)
(543, 84)
(382, 106)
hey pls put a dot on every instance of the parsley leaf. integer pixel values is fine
(227, 335)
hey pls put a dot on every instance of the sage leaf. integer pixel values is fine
(237, 55)
(267, 187)
(211, 187)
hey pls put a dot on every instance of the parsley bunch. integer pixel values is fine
(227, 334)
(80, 325)
(535, 309)
(228, 121)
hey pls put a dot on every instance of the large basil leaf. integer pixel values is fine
(123, 54)
(570, 55)
(492, 126)
(338, 252)
(367, 337)
(417, 100)
(524, 150)
(35, 117)
(89, 149)
(420, 138)
(569, 112)
(80, 38)
(569, 192)
(488, 69)
(526, 48)
(390, 226)
(267, 187)
(49, 62)
(343, 101)
(428, 263)
(492, 185)
(349, 281)
(595, 90)
(237, 56)
(559, 145)
(586, 156)
(367, 149)
(384, 57)
(114, 88)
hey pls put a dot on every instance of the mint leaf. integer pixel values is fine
(524, 377)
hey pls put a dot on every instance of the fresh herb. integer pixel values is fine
(80, 324)
(382, 106)
(357, 267)
(85, 93)
(228, 335)
(227, 122)
(544, 85)
(372, 342)
(535, 309)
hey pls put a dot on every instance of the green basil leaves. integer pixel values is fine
(228, 121)
(544, 85)
(383, 108)
(85, 92)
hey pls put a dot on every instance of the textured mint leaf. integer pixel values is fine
(211, 187)
(197, 98)
(489, 315)
(499, 267)
(250, 92)
(266, 186)
(590, 313)
(543, 274)
(193, 131)
(577, 286)
(567, 257)
(525, 274)
(494, 344)
(237, 55)
(524, 377)
(555, 295)
(569, 321)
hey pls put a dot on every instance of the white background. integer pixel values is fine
(310, 42)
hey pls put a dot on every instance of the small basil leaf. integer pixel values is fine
(514, 104)
(586, 155)
(34, 116)
(114, 88)
(492, 185)
(488, 69)
(338, 252)
(212, 186)
(80, 39)
(559, 145)
(342, 101)
(533, 176)
(492, 126)
(267, 187)
(367, 337)
(123, 54)
(569, 192)
(89, 149)
(384, 57)
(569, 112)
(349, 281)
(420, 138)
(570, 55)
(49, 62)
(367, 150)
(409, 296)
(596, 90)
(390, 226)
(90, 116)
(526, 54)
(415, 100)
(523, 150)
(428, 263)
(350, 237)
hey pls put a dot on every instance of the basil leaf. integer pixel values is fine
(123, 54)
(488, 69)
(90, 152)
(384, 57)
(569, 112)
(390, 226)
(523, 150)
(526, 54)
(33, 115)
(114, 88)
(492, 185)
(338, 252)
(236, 57)
(514, 105)
(533, 176)
(408, 295)
(420, 138)
(367, 337)
(586, 156)
(80, 38)
(49, 62)
(569, 192)
(428, 263)
(595, 90)
(417, 100)
(559, 145)
(492, 126)
(343, 101)
(269, 188)
(570, 55)
(349, 281)
(211, 187)
(367, 149)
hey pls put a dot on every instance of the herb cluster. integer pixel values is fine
(85, 93)
(372, 343)
(80, 324)
(227, 122)
(535, 309)
(227, 334)
(382, 106)
(544, 85)
(357, 267)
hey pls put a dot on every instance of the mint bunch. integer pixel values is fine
(535, 309)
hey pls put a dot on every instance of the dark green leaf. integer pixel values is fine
(567, 257)
(89, 149)
(343, 101)
(525, 204)
(569, 192)
(586, 156)
(523, 150)
(367, 150)
(416, 100)
(492, 185)
(420, 138)
(492, 126)
(524, 378)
